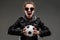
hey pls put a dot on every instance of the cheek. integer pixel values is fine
(25, 11)
(32, 12)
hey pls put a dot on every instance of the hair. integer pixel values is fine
(29, 2)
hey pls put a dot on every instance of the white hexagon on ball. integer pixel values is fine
(29, 30)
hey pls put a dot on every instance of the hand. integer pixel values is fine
(36, 32)
(24, 31)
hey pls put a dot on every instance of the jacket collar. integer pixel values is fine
(32, 19)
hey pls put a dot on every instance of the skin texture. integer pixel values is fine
(29, 11)
(35, 32)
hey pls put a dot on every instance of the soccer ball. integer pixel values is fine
(29, 30)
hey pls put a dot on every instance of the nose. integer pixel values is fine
(29, 9)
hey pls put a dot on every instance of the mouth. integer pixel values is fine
(29, 13)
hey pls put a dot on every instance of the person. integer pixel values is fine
(18, 28)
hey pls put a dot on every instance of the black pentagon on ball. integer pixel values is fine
(29, 32)
(27, 26)
(33, 28)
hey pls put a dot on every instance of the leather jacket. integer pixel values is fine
(16, 28)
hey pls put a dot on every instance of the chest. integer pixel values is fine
(26, 22)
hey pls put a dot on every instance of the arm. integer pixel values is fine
(44, 30)
(15, 29)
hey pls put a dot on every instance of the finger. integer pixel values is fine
(34, 28)
(24, 33)
(24, 29)
(35, 32)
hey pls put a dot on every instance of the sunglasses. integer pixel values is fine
(28, 9)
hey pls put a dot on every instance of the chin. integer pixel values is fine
(29, 16)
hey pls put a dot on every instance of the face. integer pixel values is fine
(29, 10)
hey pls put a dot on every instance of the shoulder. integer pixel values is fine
(38, 18)
(21, 19)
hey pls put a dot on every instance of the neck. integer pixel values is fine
(29, 18)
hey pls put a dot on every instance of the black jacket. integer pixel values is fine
(16, 28)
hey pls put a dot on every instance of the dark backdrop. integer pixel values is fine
(47, 10)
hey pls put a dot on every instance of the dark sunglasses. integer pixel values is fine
(28, 9)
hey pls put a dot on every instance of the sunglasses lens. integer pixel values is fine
(32, 9)
(28, 9)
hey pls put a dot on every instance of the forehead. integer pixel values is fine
(29, 5)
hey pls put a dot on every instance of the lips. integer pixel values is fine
(29, 13)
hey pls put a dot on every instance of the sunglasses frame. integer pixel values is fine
(32, 8)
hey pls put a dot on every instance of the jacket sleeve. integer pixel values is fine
(15, 29)
(44, 30)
